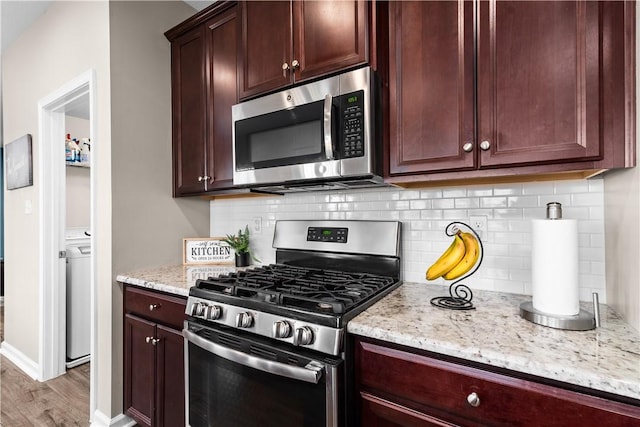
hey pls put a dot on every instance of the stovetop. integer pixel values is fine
(309, 289)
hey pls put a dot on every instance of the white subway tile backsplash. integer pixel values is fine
(454, 192)
(479, 191)
(571, 187)
(431, 194)
(522, 201)
(444, 203)
(425, 214)
(493, 202)
(420, 204)
(467, 203)
(409, 195)
(507, 190)
(539, 188)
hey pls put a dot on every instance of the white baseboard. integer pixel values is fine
(101, 420)
(19, 359)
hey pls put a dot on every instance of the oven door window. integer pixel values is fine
(282, 138)
(225, 393)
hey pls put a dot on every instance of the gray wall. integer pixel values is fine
(148, 224)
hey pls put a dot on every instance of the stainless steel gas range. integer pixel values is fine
(267, 346)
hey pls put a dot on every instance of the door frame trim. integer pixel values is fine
(51, 284)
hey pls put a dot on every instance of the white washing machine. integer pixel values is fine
(78, 247)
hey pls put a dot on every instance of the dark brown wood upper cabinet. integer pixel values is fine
(431, 84)
(189, 106)
(287, 42)
(551, 88)
(538, 82)
(204, 87)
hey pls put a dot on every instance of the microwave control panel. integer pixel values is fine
(352, 124)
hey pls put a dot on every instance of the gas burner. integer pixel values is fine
(316, 290)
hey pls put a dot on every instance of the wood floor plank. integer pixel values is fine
(62, 401)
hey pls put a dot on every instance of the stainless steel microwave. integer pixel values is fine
(318, 136)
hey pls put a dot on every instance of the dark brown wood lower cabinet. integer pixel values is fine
(154, 358)
(399, 387)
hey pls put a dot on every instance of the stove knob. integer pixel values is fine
(244, 320)
(213, 312)
(303, 336)
(197, 309)
(281, 329)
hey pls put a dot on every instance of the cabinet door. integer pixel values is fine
(538, 71)
(328, 36)
(139, 371)
(189, 111)
(266, 46)
(223, 47)
(170, 365)
(431, 86)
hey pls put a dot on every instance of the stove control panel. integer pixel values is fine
(285, 329)
(327, 234)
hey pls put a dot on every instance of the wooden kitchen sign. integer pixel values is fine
(206, 250)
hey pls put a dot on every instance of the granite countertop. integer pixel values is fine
(174, 279)
(606, 358)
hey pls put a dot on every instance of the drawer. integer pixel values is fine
(444, 390)
(162, 308)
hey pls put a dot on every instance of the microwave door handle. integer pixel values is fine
(328, 143)
(311, 373)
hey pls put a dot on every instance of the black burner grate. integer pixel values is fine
(321, 291)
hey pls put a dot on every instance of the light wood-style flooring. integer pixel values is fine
(62, 401)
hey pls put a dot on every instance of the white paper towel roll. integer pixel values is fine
(554, 266)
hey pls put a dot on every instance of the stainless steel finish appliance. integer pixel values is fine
(267, 346)
(318, 136)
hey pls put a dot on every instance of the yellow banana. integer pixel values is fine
(472, 252)
(448, 260)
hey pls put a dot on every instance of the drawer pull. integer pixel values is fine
(154, 307)
(473, 399)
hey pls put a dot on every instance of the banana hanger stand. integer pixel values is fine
(460, 295)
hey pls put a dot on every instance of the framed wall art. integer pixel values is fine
(19, 163)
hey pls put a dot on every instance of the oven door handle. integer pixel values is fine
(311, 373)
(328, 142)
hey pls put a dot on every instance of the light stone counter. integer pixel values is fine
(174, 279)
(607, 358)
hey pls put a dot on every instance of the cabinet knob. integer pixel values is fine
(200, 178)
(154, 307)
(152, 340)
(473, 399)
(295, 64)
(468, 147)
(285, 68)
(485, 145)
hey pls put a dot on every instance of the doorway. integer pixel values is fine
(54, 111)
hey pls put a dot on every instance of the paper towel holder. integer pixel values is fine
(583, 321)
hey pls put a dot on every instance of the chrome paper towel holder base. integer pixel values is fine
(583, 321)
